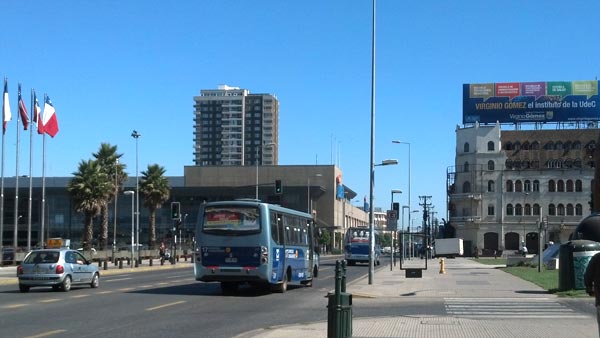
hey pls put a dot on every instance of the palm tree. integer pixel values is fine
(108, 159)
(154, 186)
(89, 188)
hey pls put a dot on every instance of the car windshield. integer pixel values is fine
(37, 257)
(231, 219)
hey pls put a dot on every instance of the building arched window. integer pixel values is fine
(466, 187)
(466, 167)
(490, 186)
(549, 146)
(525, 146)
(560, 210)
(466, 147)
(519, 186)
(577, 145)
(490, 146)
(560, 186)
(551, 210)
(536, 209)
(551, 186)
(536, 185)
(509, 186)
(570, 210)
(578, 186)
(578, 210)
(491, 165)
(508, 146)
(527, 186)
(518, 210)
(509, 209)
(535, 145)
(527, 210)
(569, 185)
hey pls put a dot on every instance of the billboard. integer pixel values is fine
(529, 102)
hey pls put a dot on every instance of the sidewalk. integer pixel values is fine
(464, 280)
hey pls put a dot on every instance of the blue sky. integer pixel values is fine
(114, 66)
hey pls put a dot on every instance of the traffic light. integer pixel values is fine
(278, 189)
(396, 208)
(175, 210)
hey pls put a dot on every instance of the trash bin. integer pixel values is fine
(339, 319)
(574, 257)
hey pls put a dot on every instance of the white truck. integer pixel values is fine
(448, 247)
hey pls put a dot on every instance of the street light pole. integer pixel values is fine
(132, 193)
(372, 164)
(114, 246)
(408, 144)
(136, 136)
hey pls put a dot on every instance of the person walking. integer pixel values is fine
(592, 283)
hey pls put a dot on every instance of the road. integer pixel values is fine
(162, 303)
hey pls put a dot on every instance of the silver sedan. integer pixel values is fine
(58, 268)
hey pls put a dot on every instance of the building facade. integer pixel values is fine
(234, 127)
(510, 188)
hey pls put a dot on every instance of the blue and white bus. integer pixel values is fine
(247, 241)
(356, 246)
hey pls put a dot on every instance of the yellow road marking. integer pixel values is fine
(13, 306)
(104, 292)
(80, 296)
(165, 305)
(126, 289)
(46, 334)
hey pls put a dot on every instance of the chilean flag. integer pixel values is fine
(50, 122)
(23, 110)
(6, 114)
(37, 114)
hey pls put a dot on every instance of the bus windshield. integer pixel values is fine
(233, 220)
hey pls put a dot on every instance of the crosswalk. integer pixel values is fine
(523, 308)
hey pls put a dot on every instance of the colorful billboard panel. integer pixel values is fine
(527, 102)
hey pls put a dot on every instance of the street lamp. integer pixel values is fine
(132, 193)
(371, 209)
(393, 260)
(114, 246)
(136, 136)
(309, 200)
(408, 144)
(256, 163)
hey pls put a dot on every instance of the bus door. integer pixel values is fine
(278, 236)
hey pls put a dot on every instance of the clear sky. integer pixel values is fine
(114, 66)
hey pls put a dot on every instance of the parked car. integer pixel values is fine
(58, 268)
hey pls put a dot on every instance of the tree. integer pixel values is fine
(108, 160)
(89, 188)
(154, 186)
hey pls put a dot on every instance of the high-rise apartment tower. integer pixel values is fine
(234, 127)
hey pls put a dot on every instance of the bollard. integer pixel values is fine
(185, 258)
(105, 264)
(339, 314)
(150, 262)
(121, 263)
(128, 261)
(442, 266)
(137, 263)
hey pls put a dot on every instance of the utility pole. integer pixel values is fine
(426, 204)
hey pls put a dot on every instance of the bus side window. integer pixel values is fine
(275, 231)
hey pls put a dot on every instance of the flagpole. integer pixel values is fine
(43, 182)
(30, 173)
(16, 214)
(2, 181)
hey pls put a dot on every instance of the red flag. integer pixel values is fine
(50, 122)
(37, 114)
(6, 114)
(23, 110)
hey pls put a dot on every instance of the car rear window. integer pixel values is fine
(38, 257)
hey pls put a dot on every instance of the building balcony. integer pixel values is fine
(465, 196)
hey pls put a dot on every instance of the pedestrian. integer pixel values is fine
(592, 283)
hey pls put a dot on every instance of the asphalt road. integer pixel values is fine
(170, 303)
